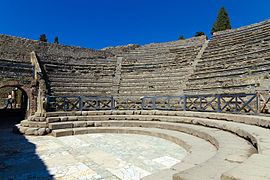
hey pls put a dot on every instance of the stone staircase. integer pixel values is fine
(233, 62)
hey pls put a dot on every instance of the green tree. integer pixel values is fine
(56, 40)
(181, 37)
(199, 34)
(222, 22)
(43, 38)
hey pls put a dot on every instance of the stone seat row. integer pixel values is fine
(9, 68)
(149, 60)
(220, 139)
(244, 71)
(231, 63)
(243, 52)
(159, 73)
(236, 49)
(81, 68)
(85, 73)
(247, 29)
(248, 38)
(228, 89)
(137, 94)
(237, 52)
(237, 34)
(134, 67)
(82, 79)
(253, 128)
(245, 60)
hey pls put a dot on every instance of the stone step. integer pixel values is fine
(77, 93)
(224, 141)
(192, 144)
(81, 84)
(154, 79)
(234, 65)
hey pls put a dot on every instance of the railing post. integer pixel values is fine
(112, 103)
(80, 103)
(65, 104)
(142, 103)
(219, 103)
(185, 103)
(154, 106)
(257, 103)
(98, 104)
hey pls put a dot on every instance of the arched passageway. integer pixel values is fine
(14, 104)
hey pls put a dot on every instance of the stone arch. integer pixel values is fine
(28, 90)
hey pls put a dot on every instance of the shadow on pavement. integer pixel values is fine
(18, 158)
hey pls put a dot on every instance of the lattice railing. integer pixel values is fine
(163, 102)
(79, 103)
(264, 102)
(232, 103)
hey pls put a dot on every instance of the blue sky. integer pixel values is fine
(101, 23)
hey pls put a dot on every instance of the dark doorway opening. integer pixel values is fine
(13, 106)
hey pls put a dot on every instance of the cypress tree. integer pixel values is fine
(43, 38)
(222, 22)
(56, 40)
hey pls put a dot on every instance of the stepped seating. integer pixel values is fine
(158, 70)
(242, 141)
(235, 61)
(90, 78)
(12, 69)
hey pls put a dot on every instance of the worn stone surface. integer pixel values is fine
(93, 156)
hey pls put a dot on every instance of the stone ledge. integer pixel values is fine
(255, 167)
(224, 149)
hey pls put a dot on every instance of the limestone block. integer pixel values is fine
(31, 131)
(84, 113)
(47, 130)
(62, 132)
(63, 118)
(41, 131)
(255, 167)
(78, 113)
(62, 125)
(98, 124)
(72, 118)
(24, 123)
(90, 124)
(52, 119)
(80, 124)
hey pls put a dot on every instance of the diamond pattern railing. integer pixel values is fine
(232, 103)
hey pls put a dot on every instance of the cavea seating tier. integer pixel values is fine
(10, 68)
(253, 128)
(219, 138)
(159, 71)
(241, 55)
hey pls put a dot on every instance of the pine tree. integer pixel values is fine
(222, 22)
(199, 34)
(56, 40)
(181, 37)
(43, 38)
